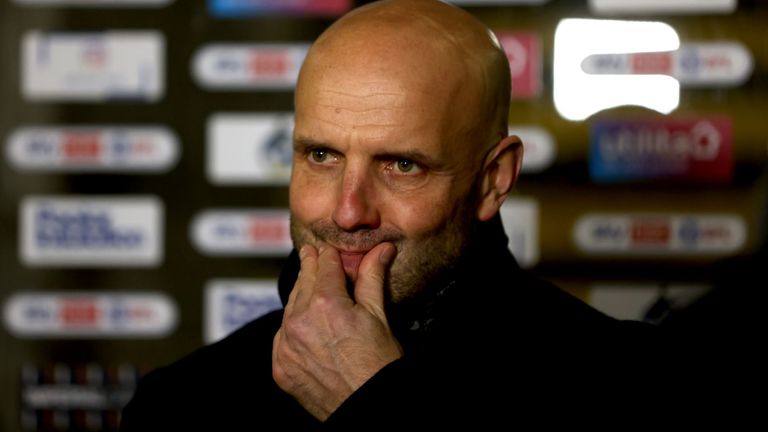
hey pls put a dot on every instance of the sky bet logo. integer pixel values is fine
(91, 232)
(249, 66)
(59, 314)
(716, 64)
(660, 234)
(242, 232)
(92, 149)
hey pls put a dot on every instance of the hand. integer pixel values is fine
(330, 344)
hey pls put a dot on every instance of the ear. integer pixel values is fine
(500, 171)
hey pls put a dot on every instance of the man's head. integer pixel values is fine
(401, 136)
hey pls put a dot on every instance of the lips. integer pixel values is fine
(351, 262)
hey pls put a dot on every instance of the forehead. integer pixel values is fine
(375, 99)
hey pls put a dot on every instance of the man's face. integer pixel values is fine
(378, 157)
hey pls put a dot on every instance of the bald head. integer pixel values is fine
(430, 47)
(400, 137)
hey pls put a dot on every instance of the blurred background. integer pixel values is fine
(147, 145)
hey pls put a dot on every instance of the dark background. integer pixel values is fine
(564, 192)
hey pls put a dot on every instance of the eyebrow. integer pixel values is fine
(302, 144)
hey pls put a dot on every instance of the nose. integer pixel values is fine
(356, 203)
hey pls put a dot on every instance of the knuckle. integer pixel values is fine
(295, 327)
(279, 375)
(321, 303)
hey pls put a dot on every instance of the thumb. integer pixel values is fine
(369, 289)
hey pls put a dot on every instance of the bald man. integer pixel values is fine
(402, 302)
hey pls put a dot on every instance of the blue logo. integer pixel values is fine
(240, 309)
(121, 146)
(38, 314)
(279, 147)
(40, 145)
(227, 64)
(690, 61)
(80, 229)
(689, 231)
(607, 231)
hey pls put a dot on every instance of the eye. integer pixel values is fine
(319, 155)
(405, 166)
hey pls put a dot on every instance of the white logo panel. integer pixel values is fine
(95, 3)
(81, 231)
(242, 232)
(660, 234)
(520, 217)
(633, 301)
(249, 66)
(93, 149)
(46, 314)
(662, 6)
(578, 95)
(539, 148)
(93, 67)
(250, 148)
(715, 64)
(232, 303)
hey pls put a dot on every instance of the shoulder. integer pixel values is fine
(540, 316)
(551, 302)
(208, 382)
(246, 346)
(518, 295)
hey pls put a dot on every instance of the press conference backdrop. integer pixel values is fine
(147, 147)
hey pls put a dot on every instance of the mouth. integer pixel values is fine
(351, 262)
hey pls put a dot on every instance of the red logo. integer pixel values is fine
(79, 312)
(269, 63)
(268, 230)
(81, 146)
(652, 63)
(651, 232)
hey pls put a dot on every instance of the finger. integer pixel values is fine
(278, 369)
(330, 273)
(307, 275)
(369, 289)
(276, 344)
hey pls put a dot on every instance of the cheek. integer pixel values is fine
(309, 198)
(417, 214)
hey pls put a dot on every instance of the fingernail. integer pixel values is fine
(387, 255)
(303, 252)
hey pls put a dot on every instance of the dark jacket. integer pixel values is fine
(493, 345)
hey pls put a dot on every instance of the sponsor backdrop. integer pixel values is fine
(147, 147)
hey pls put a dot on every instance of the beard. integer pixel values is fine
(422, 264)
